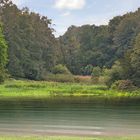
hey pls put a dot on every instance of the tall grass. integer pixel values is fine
(36, 89)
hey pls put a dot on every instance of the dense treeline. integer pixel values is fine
(32, 46)
(99, 45)
(114, 48)
(35, 53)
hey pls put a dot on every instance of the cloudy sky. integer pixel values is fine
(65, 13)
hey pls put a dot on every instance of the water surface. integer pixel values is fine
(70, 119)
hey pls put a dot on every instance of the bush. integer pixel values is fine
(113, 74)
(123, 85)
(95, 80)
(3, 76)
(83, 79)
(60, 69)
(60, 77)
(96, 72)
(1, 79)
(87, 70)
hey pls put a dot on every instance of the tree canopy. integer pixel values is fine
(32, 46)
(34, 51)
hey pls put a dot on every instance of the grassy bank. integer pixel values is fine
(69, 138)
(51, 90)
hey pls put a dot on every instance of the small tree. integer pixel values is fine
(96, 72)
(123, 85)
(60, 69)
(113, 74)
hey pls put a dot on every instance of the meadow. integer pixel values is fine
(53, 90)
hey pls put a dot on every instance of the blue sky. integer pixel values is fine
(65, 13)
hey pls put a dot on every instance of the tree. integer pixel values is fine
(3, 55)
(60, 69)
(113, 74)
(32, 45)
(96, 72)
(100, 45)
(87, 70)
(135, 61)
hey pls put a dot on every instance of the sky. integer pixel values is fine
(65, 13)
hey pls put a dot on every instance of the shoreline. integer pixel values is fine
(70, 100)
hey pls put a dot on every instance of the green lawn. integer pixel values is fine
(34, 89)
(69, 138)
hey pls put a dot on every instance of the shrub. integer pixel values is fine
(113, 74)
(3, 76)
(60, 69)
(1, 79)
(102, 80)
(87, 70)
(123, 85)
(60, 77)
(82, 79)
(95, 80)
(96, 72)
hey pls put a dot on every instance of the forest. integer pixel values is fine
(108, 53)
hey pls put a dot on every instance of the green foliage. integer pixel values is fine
(3, 55)
(47, 90)
(83, 79)
(135, 61)
(60, 69)
(99, 45)
(70, 51)
(3, 49)
(87, 70)
(85, 46)
(32, 46)
(2, 76)
(130, 64)
(113, 74)
(60, 78)
(96, 72)
(34, 51)
(123, 85)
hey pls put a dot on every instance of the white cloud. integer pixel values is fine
(70, 4)
(66, 14)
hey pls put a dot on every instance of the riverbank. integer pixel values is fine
(40, 90)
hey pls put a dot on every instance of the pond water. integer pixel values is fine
(69, 119)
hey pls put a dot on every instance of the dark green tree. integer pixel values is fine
(32, 45)
(135, 61)
(3, 55)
